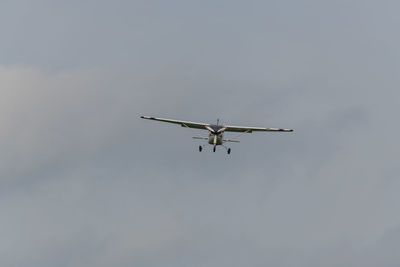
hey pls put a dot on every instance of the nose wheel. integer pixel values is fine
(214, 149)
(228, 151)
(200, 148)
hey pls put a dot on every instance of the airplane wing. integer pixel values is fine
(188, 124)
(244, 129)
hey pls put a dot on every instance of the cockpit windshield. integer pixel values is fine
(215, 128)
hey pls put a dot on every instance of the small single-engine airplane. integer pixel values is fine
(216, 131)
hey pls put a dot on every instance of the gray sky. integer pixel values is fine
(85, 182)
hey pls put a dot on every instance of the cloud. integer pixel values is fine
(85, 182)
(49, 118)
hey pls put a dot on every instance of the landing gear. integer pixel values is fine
(228, 150)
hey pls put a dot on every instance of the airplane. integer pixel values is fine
(216, 131)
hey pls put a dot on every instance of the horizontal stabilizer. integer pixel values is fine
(201, 138)
(232, 141)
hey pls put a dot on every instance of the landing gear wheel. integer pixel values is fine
(229, 151)
(214, 149)
(200, 148)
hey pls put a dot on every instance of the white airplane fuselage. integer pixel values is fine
(216, 135)
(215, 139)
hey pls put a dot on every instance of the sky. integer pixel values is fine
(85, 182)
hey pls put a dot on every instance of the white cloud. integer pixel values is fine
(85, 182)
(56, 118)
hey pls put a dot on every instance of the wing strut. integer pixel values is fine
(199, 136)
(237, 136)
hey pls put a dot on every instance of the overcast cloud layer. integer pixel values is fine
(85, 182)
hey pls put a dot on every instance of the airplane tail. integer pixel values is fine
(201, 138)
(230, 140)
